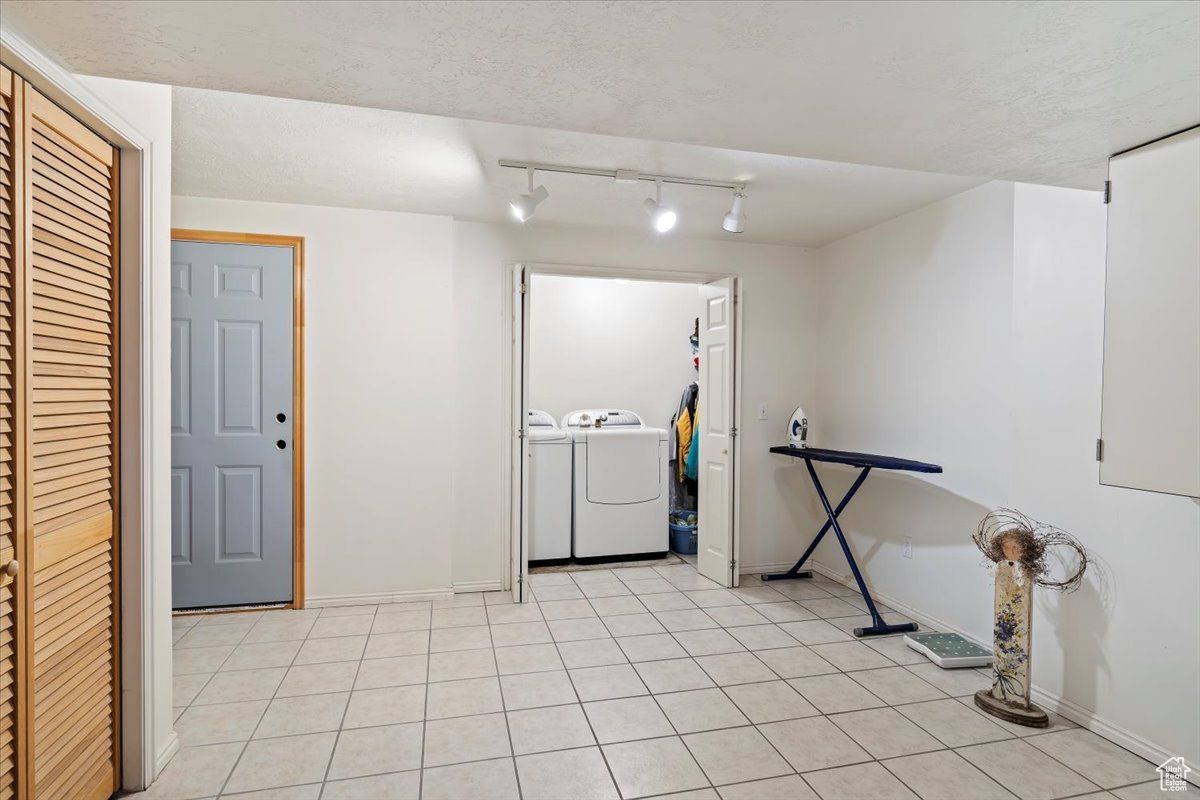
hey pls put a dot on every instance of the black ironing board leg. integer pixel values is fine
(795, 572)
(879, 627)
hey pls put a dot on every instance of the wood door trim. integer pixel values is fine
(115, 399)
(297, 245)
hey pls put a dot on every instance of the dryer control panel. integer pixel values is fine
(602, 418)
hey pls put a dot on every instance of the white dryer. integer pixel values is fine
(621, 488)
(549, 488)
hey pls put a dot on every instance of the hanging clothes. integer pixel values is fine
(681, 428)
(683, 436)
(693, 454)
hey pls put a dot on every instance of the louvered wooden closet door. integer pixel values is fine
(70, 288)
(9, 238)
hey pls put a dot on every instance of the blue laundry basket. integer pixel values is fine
(683, 537)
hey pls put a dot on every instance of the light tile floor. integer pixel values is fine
(622, 683)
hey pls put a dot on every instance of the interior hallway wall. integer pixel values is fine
(147, 107)
(595, 342)
(379, 386)
(969, 333)
(778, 367)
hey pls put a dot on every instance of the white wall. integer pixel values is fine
(379, 383)
(147, 107)
(915, 362)
(406, 479)
(1127, 644)
(968, 333)
(779, 307)
(595, 342)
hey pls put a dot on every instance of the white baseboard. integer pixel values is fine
(1081, 716)
(377, 598)
(478, 586)
(165, 754)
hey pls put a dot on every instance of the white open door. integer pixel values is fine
(520, 433)
(715, 416)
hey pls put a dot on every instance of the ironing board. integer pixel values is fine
(865, 462)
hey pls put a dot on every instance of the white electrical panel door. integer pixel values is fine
(1150, 419)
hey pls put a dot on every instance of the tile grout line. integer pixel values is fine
(512, 753)
(425, 706)
(349, 697)
(236, 645)
(270, 701)
(210, 677)
(249, 739)
(579, 700)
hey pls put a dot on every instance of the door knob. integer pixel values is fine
(12, 568)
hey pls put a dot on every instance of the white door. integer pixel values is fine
(715, 416)
(519, 425)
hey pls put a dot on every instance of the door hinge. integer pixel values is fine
(1107, 192)
(521, 434)
(1099, 449)
(733, 432)
(523, 286)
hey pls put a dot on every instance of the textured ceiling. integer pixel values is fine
(1033, 91)
(273, 149)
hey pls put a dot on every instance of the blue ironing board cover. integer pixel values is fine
(855, 459)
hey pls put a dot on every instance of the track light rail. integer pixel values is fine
(612, 173)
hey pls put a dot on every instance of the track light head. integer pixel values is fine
(735, 220)
(662, 217)
(523, 205)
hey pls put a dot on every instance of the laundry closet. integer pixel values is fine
(612, 372)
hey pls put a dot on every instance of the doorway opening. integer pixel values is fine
(624, 410)
(237, 420)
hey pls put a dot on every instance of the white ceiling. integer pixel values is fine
(1034, 91)
(272, 149)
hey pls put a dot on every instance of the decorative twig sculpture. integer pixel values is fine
(1018, 545)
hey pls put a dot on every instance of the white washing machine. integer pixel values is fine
(620, 481)
(549, 488)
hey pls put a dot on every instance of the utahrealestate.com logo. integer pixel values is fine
(1172, 775)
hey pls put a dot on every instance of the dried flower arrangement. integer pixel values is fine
(1008, 535)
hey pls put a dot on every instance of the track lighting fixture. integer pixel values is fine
(662, 217)
(735, 220)
(524, 205)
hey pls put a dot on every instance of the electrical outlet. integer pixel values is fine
(906, 548)
(762, 411)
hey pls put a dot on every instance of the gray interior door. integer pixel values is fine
(231, 424)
